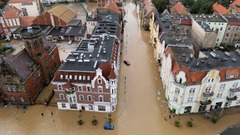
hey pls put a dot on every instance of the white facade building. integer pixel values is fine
(27, 7)
(195, 85)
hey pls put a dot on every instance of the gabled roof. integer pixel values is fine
(12, 12)
(20, 1)
(112, 74)
(178, 8)
(236, 5)
(63, 13)
(113, 6)
(105, 67)
(219, 9)
(149, 7)
(27, 20)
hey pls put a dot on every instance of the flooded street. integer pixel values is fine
(140, 111)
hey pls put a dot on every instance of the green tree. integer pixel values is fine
(161, 5)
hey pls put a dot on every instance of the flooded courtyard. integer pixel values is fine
(140, 110)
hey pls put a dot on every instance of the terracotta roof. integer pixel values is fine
(11, 12)
(27, 20)
(178, 8)
(232, 72)
(220, 9)
(68, 85)
(19, 1)
(236, 5)
(2, 3)
(63, 13)
(105, 67)
(112, 74)
(113, 6)
(149, 7)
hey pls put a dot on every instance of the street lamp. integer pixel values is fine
(14, 113)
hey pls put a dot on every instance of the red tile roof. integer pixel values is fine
(219, 9)
(178, 8)
(20, 1)
(27, 20)
(149, 7)
(105, 67)
(11, 12)
(112, 74)
(236, 5)
(113, 6)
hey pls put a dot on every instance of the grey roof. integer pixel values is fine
(172, 31)
(109, 17)
(109, 28)
(75, 22)
(90, 53)
(234, 130)
(231, 18)
(68, 31)
(22, 64)
(207, 61)
(204, 25)
(208, 18)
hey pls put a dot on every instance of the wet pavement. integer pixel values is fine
(140, 110)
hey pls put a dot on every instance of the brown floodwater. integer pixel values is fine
(140, 110)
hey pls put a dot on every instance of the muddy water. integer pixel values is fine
(140, 111)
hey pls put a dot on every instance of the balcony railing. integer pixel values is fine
(232, 98)
(208, 102)
(235, 89)
(208, 94)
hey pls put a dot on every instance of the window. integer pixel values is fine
(101, 108)
(81, 97)
(192, 90)
(61, 96)
(99, 81)
(59, 87)
(66, 76)
(221, 29)
(80, 77)
(34, 78)
(39, 73)
(88, 88)
(61, 76)
(175, 99)
(177, 90)
(80, 88)
(113, 100)
(90, 107)
(190, 99)
(100, 98)
(75, 77)
(100, 89)
(219, 95)
(70, 77)
(84, 77)
(205, 98)
(222, 86)
(12, 98)
(21, 99)
(89, 98)
(88, 78)
(208, 89)
(63, 105)
(235, 84)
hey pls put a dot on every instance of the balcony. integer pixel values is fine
(208, 102)
(208, 94)
(232, 98)
(235, 89)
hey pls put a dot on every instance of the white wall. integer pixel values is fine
(32, 10)
(219, 26)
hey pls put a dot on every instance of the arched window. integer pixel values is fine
(89, 98)
(12, 98)
(81, 97)
(100, 98)
(21, 99)
(99, 81)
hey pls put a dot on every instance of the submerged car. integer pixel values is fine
(127, 63)
(108, 126)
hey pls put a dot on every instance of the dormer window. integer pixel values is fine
(208, 89)
(230, 74)
(99, 81)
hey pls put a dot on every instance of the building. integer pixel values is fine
(146, 11)
(232, 130)
(232, 33)
(88, 78)
(203, 84)
(216, 23)
(202, 35)
(27, 7)
(178, 8)
(169, 29)
(23, 76)
(235, 7)
(58, 16)
(219, 9)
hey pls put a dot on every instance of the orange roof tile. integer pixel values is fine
(220, 9)
(236, 5)
(178, 8)
(113, 6)
(27, 20)
(11, 12)
(149, 7)
(19, 1)
(232, 72)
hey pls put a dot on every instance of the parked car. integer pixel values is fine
(127, 63)
(108, 126)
